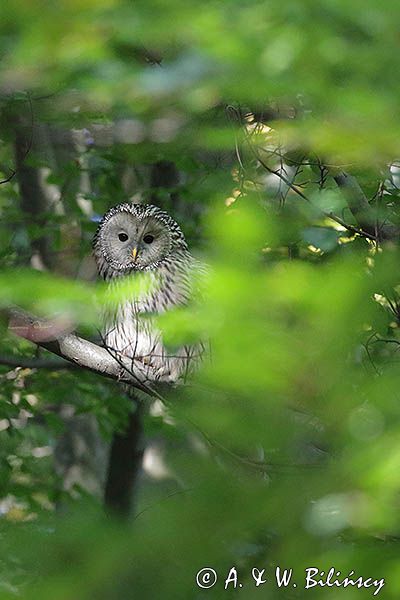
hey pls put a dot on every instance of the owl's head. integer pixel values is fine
(137, 237)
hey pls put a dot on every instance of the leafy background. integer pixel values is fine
(238, 118)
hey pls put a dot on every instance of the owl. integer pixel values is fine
(142, 242)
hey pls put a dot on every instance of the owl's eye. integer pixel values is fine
(148, 238)
(122, 237)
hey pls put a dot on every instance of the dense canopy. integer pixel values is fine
(271, 133)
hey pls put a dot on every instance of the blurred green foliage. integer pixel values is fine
(284, 449)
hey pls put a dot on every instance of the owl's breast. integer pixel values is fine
(133, 332)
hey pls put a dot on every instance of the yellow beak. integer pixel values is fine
(134, 252)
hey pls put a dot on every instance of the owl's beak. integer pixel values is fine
(134, 253)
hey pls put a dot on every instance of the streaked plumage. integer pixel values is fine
(137, 239)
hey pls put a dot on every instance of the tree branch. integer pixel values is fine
(81, 352)
(356, 199)
(361, 209)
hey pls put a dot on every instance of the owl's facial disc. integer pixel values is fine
(130, 243)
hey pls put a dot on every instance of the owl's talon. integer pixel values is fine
(143, 359)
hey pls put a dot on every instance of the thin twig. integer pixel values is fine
(327, 214)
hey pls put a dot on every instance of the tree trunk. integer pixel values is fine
(124, 466)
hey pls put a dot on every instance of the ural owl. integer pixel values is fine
(137, 240)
